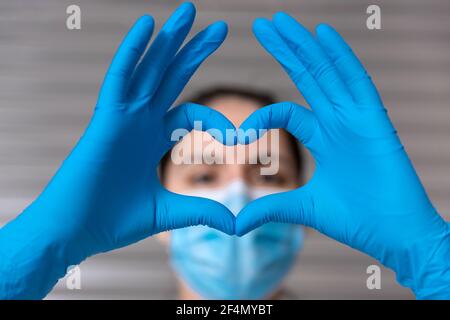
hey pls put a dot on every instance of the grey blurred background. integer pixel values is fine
(50, 76)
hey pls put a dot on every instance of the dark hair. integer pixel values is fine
(205, 96)
(263, 98)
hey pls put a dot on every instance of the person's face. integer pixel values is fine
(207, 260)
(183, 178)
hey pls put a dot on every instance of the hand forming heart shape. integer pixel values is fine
(363, 183)
(364, 193)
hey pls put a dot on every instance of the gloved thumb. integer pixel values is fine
(188, 115)
(288, 207)
(178, 211)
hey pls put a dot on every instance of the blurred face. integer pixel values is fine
(209, 263)
(185, 178)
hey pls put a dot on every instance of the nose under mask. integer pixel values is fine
(219, 266)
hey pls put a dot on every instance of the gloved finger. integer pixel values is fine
(162, 51)
(313, 57)
(350, 68)
(271, 40)
(297, 120)
(178, 211)
(186, 63)
(294, 206)
(115, 85)
(180, 120)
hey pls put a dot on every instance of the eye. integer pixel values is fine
(203, 178)
(275, 179)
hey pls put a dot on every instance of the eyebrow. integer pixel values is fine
(249, 158)
(282, 159)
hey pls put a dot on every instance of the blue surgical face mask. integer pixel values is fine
(219, 266)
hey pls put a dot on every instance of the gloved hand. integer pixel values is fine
(364, 192)
(107, 193)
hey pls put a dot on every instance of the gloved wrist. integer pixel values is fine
(424, 266)
(433, 275)
(33, 256)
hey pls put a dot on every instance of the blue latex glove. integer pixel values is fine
(107, 193)
(364, 192)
